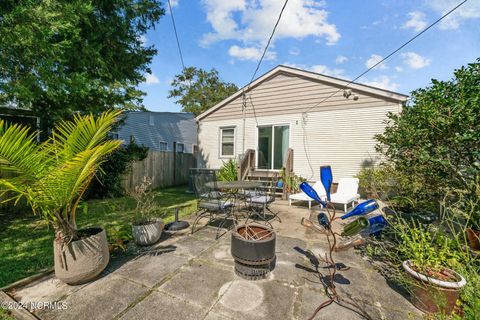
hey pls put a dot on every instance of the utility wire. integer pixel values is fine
(388, 56)
(261, 59)
(304, 114)
(176, 35)
(268, 44)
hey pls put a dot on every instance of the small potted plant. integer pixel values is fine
(281, 176)
(146, 229)
(433, 286)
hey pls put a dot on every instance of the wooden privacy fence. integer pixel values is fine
(165, 168)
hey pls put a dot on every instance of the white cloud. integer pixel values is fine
(414, 60)
(150, 78)
(323, 69)
(251, 22)
(417, 21)
(294, 51)
(249, 53)
(382, 82)
(469, 10)
(174, 3)
(398, 69)
(341, 59)
(319, 68)
(374, 59)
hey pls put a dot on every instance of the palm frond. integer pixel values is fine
(83, 132)
(54, 175)
(19, 151)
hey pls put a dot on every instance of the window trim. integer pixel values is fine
(166, 146)
(176, 148)
(221, 155)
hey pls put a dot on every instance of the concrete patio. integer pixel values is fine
(191, 277)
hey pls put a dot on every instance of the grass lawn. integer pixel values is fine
(5, 315)
(26, 246)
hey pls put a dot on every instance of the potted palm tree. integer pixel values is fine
(146, 230)
(52, 177)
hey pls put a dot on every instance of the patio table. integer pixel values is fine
(231, 187)
(239, 184)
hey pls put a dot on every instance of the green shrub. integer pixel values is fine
(228, 172)
(435, 140)
(109, 182)
(384, 182)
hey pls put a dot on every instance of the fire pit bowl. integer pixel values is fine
(253, 249)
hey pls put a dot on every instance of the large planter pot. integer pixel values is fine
(254, 256)
(433, 295)
(147, 234)
(82, 260)
(473, 237)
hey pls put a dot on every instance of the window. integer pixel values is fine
(163, 146)
(227, 142)
(180, 147)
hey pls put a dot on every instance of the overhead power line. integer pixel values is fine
(389, 55)
(261, 59)
(268, 43)
(176, 35)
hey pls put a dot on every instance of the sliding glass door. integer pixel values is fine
(273, 143)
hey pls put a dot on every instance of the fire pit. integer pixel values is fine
(253, 249)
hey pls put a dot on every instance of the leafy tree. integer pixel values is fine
(435, 140)
(198, 90)
(58, 57)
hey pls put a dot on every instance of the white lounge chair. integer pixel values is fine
(301, 196)
(347, 192)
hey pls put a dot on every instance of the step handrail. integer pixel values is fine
(288, 171)
(246, 164)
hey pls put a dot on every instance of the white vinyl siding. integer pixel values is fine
(227, 144)
(343, 139)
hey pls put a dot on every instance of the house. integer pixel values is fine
(160, 131)
(21, 116)
(300, 116)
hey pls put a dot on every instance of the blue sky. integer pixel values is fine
(339, 38)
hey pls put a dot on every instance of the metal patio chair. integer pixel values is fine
(212, 203)
(259, 203)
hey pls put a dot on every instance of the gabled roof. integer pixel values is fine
(309, 75)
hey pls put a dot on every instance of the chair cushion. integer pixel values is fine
(343, 198)
(261, 199)
(299, 196)
(215, 205)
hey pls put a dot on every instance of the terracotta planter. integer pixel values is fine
(473, 237)
(82, 260)
(147, 234)
(432, 295)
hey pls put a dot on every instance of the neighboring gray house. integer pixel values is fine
(160, 131)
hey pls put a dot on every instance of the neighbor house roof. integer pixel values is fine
(149, 127)
(281, 69)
